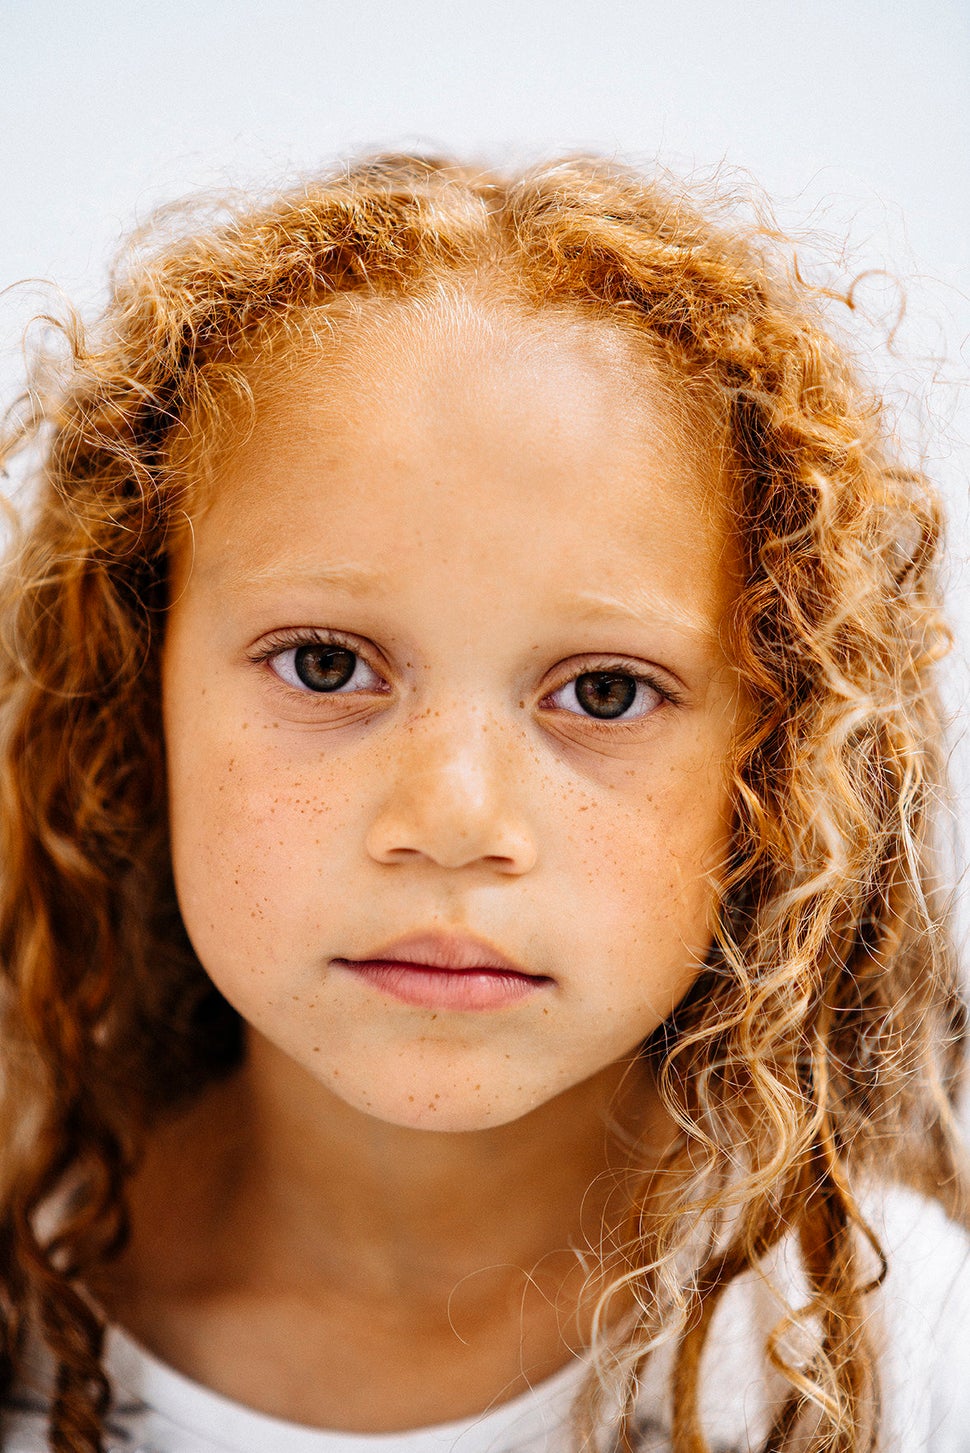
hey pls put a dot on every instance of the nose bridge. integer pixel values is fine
(457, 738)
(453, 788)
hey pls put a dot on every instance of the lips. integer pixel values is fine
(457, 952)
(445, 971)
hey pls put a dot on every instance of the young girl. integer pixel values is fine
(475, 960)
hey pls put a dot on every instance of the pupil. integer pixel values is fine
(605, 695)
(324, 668)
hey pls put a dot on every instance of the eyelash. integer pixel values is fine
(283, 641)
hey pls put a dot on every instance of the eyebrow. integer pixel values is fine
(355, 579)
(641, 605)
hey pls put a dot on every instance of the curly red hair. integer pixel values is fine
(824, 1041)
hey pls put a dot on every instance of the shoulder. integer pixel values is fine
(25, 1412)
(24, 1424)
(918, 1323)
(922, 1320)
(927, 1282)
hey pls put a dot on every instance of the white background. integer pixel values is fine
(853, 114)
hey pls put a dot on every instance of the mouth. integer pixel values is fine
(438, 971)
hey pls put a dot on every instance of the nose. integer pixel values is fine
(454, 798)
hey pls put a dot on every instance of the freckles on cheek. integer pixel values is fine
(648, 858)
(251, 844)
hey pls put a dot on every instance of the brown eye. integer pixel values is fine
(324, 668)
(608, 696)
(604, 694)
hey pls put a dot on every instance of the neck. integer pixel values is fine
(272, 1180)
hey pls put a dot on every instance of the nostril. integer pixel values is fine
(453, 818)
(499, 846)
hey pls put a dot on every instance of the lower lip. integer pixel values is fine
(430, 988)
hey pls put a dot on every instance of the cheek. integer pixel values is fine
(658, 841)
(641, 873)
(254, 841)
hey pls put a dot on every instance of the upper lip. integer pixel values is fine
(446, 951)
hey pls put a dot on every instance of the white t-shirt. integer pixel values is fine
(921, 1317)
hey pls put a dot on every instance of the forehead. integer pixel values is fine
(452, 423)
(457, 360)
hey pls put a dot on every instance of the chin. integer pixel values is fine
(444, 1114)
(446, 1108)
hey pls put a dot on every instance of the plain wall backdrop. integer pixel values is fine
(852, 114)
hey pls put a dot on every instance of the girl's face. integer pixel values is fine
(444, 659)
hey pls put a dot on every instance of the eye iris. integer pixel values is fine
(324, 668)
(605, 695)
